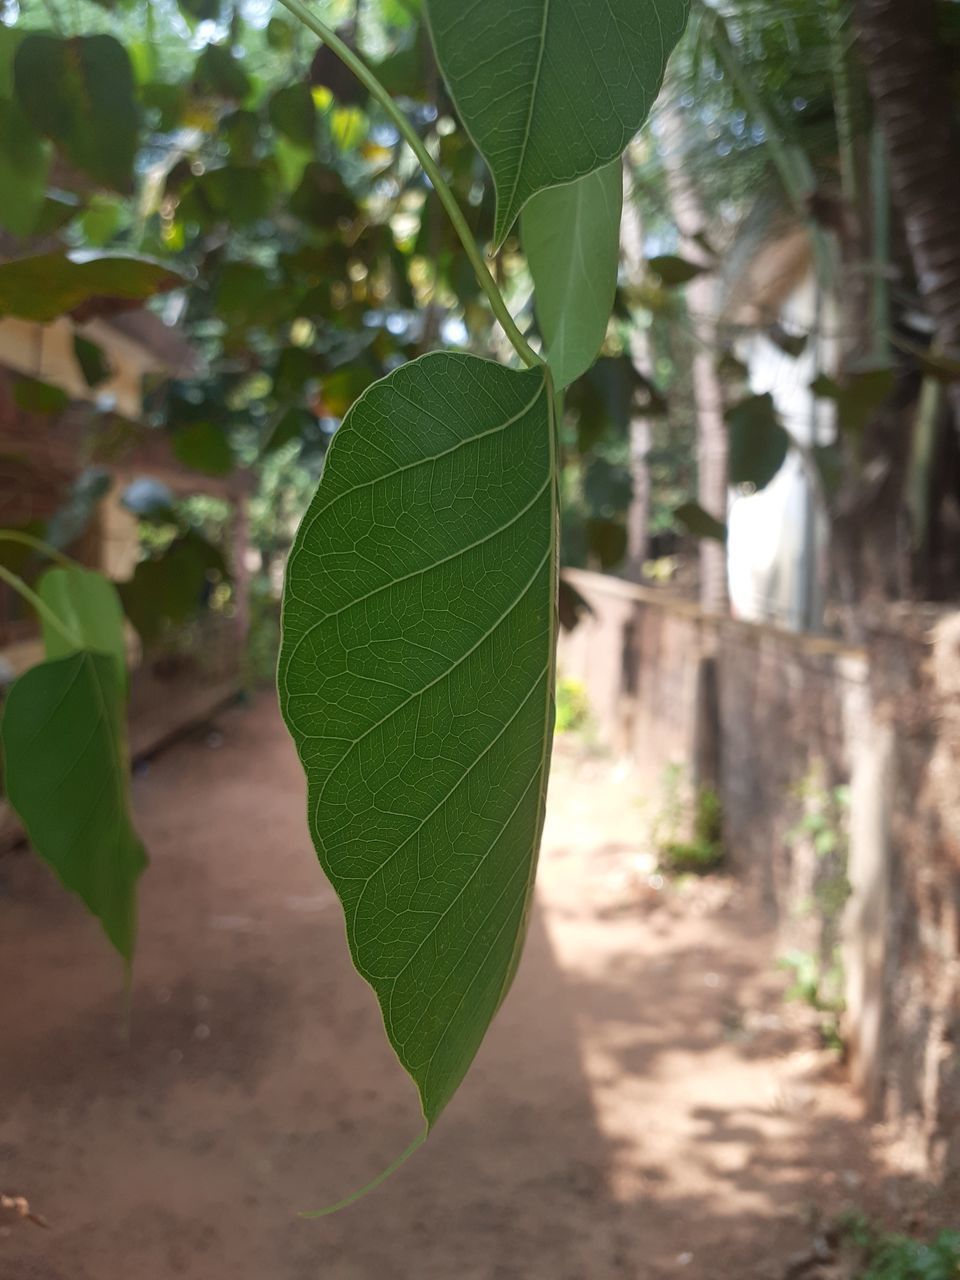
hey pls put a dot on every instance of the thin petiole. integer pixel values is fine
(27, 593)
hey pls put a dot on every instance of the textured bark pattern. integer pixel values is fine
(641, 433)
(911, 90)
(691, 219)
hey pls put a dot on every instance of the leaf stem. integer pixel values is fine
(41, 606)
(37, 544)
(430, 168)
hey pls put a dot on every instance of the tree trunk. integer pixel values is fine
(911, 90)
(691, 220)
(641, 434)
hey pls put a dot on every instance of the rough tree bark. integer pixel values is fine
(912, 94)
(691, 219)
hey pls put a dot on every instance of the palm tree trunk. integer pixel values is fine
(911, 90)
(641, 434)
(691, 220)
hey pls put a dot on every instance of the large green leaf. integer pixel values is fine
(79, 283)
(80, 92)
(88, 605)
(552, 89)
(64, 746)
(571, 236)
(416, 677)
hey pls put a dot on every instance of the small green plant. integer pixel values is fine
(897, 1257)
(703, 851)
(819, 985)
(573, 710)
(825, 825)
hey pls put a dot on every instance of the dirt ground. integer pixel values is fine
(645, 1106)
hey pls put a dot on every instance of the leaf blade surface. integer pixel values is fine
(416, 678)
(64, 746)
(552, 89)
(571, 236)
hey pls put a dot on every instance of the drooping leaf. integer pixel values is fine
(80, 93)
(81, 284)
(571, 236)
(34, 396)
(692, 517)
(758, 443)
(65, 754)
(416, 678)
(674, 270)
(88, 605)
(552, 89)
(203, 446)
(94, 365)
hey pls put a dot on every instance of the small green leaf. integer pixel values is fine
(857, 397)
(571, 236)
(700, 523)
(203, 446)
(64, 747)
(416, 677)
(80, 93)
(94, 365)
(758, 443)
(220, 74)
(82, 284)
(88, 605)
(236, 193)
(101, 219)
(293, 113)
(552, 89)
(606, 541)
(281, 35)
(674, 271)
(34, 396)
(292, 424)
(168, 589)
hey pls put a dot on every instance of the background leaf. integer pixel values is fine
(673, 270)
(80, 93)
(551, 91)
(416, 676)
(64, 746)
(571, 236)
(700, 523)
(758, 443)
(53, 284)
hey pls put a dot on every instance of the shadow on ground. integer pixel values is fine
(640, 1109)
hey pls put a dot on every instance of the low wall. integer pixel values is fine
(773, 720)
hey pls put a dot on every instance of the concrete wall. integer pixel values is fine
(758, 713)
